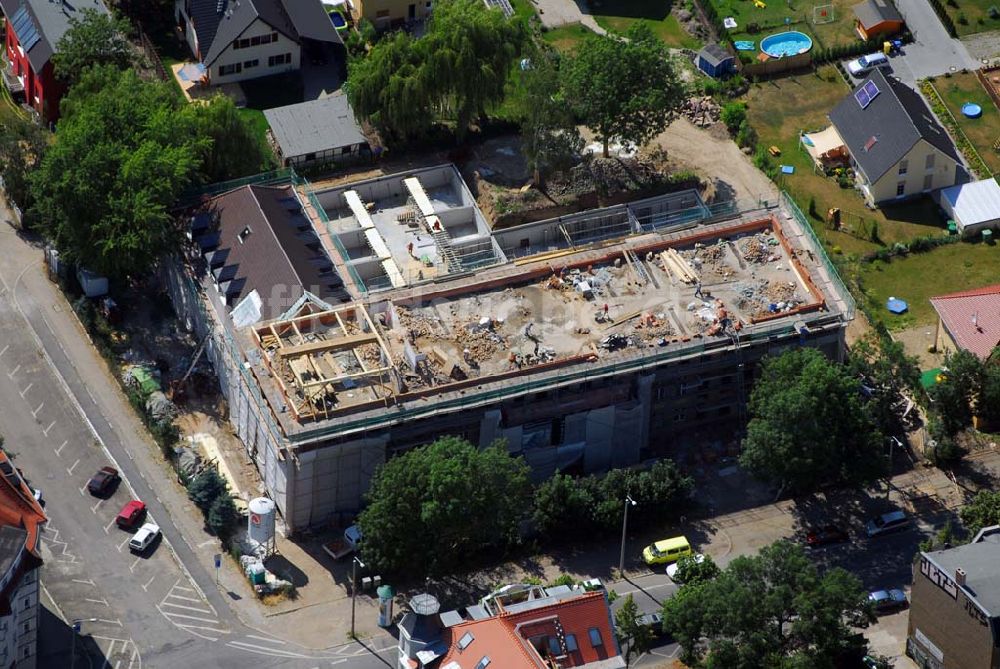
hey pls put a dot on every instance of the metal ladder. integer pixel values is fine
(443, 241)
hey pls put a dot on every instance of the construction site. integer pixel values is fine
(597, 340)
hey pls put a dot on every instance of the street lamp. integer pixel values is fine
(354, 588)
(621, 560)
(77, 628)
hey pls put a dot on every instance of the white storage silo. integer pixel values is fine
(260, 522)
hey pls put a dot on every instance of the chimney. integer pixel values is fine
(960, 576)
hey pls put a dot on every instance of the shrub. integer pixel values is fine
(206, 487)
(812, 208)
(223, 516)
(964, 21)
(734, 114)
(746, 136)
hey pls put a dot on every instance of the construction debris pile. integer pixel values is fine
(710, 259)
(701, 110)
(762, 297)
(480, 340)
(759, 249)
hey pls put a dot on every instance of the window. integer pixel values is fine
(244, 233)
(280, 59)
(27, 602)
(928, 182)
(235, 68)
(571, 643)
(382, 14)
(255, 41)
(310, 156)
(554, 646)
(242, 44)
(900, 188)
(466, 639)
(247, 64)
(595, 637)
(274, 37)
(903, 166)
(483, 663)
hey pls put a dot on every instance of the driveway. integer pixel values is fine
(933, 51)
(555, 13)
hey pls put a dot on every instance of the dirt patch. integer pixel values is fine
(916, 341)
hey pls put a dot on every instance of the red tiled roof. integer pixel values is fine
(19, 509)
(505, 638)
(972, 318)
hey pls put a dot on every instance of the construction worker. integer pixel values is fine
(605, 309)
(697, 290)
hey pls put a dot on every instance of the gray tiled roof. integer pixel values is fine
(279, 257)
(314, 126)
(51, 19)
(981, 562)
(873, 12)
(715, 54)
(896, 120)
(296, 19)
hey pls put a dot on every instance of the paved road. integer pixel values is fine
(156, 610)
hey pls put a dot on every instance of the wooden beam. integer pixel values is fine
(331, 345)
(356, 375)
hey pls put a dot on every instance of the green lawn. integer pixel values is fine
(567, 38)
(960, 88)
(976, 14)
(779, 110)
(771, 19)
(620, 15)
(918, 277)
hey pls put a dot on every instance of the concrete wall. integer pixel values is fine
(943, 174)
(259, 53)
(955, 626)
(19, 630)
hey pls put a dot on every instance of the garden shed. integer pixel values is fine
(973, 206)
(715, 61)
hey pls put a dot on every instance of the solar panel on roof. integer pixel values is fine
(861, 95)
(24, 28)
(871, 89)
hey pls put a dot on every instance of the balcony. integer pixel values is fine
(10, 80)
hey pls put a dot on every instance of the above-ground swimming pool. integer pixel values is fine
(787, 43)
(972, 110)
(338, 20)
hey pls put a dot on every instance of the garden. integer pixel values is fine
(620, 15)
(972, 16)
(982, 132)
(830, 23)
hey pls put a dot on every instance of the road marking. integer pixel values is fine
(263, 650)
(59, 450)
(11, 375)
(145, 588)
(207, 543)
(189, 599)
(190, 617)
(107, 530)
(34, 414)
(84, 581)
(134, 564)
(69, 470)
(264, 638)
(25, 391)
(97, 601)
(94, 508)
(90, 395)
(188, 608)
(111, 622)
(4, 349)
(83, 490)
(181, 587)
(46, 430)
(122, 544)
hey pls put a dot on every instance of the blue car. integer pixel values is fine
(885, 601)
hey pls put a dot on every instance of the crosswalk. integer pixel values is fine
(187, 609)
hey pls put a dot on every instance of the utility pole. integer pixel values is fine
(354, 588)
(621, 560)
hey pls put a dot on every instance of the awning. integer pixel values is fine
(191, 72)
(824, 145)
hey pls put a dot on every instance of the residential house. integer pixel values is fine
(34, 28)
(528, 627)
(316, 132)
(21, 521)
(898, 149)
(236, 40)
(969, 320)
(955, 606)
(385, 14)
(877, 18)
(973, 206)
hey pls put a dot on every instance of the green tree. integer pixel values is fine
(22, 147)
(206, 487)
(433, 507)
(884, 368)
(773, 609)
(236, 149)
(624, 90)
(808, 426)
(550, 140)
(955, 395)
(562, 506)
(125, 150)
(223, 516)
(733, 115)
(691, 571)
(982, 511)
(93, 39)
(634, 637)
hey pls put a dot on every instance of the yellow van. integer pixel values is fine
(666, 551)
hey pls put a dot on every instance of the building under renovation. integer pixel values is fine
(366, 319)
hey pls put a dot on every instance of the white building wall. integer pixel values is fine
(942, 174)
(19, 630)
(189, 34)
(261, 53)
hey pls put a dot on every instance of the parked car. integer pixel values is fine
(885, 601)
(37, 494)
(103, 481)
(144, 537)
(654, 621)
(887, 523)
(866, 64)
(666, 551)
(131, 514)
(672, 569)
(826, 535)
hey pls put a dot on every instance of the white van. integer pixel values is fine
(866, 64)
(887, 523)
(143, 537)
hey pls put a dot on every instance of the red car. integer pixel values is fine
(823, 536)
(131, 514)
